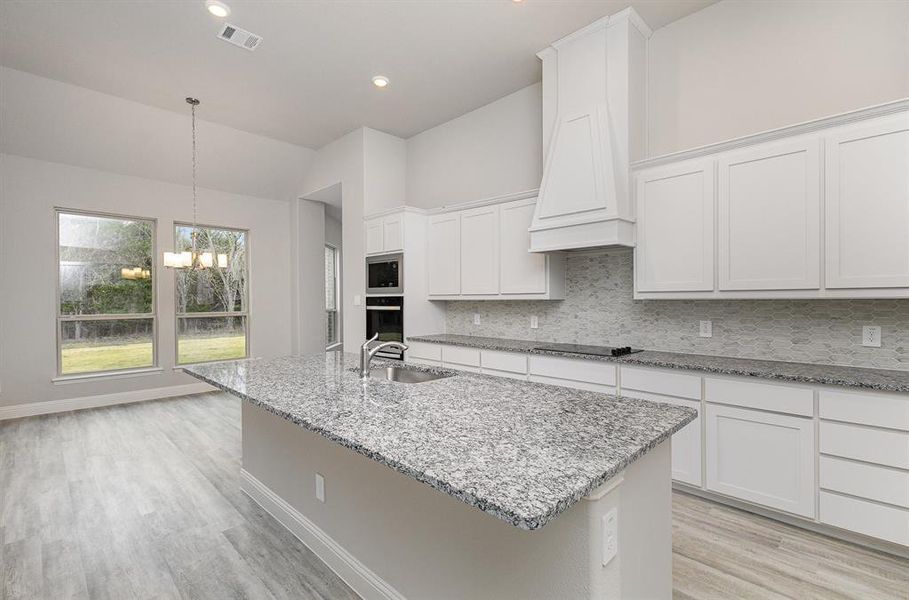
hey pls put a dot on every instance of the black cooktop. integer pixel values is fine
(589, 350)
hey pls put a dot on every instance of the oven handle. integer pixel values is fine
(383, 308)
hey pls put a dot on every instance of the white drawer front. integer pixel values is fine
(866, 481)
(503, 361)
(884, 522)
(890, 448)
(508, 374)
(422, 350)
(891, 411)
(680, 385)
(761, 457)
(423, 361)
(763, 396)
(458, 355)
(570, 383)
(589, 371)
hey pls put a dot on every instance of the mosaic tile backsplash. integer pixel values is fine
(599, 309)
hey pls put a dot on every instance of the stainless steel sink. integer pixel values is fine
(401, 375)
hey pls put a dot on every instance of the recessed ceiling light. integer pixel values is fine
(219, 9)
(380, 81)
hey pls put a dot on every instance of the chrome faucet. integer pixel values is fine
(366, 353)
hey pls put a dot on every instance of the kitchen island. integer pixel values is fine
(465, 486)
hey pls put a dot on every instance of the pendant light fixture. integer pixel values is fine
(193, 259)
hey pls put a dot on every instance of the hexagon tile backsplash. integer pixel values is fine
(599, 309)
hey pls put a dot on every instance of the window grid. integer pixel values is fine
(63, 318)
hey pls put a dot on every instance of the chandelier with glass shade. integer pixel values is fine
(194, 259)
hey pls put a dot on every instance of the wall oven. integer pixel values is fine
(385, 274)
(385, 316)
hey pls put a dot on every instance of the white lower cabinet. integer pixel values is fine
(868, 518)
(596, 376)
(759, 457)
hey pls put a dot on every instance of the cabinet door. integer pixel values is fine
(480, 250)
(674, 250)
(686, 443)
(769, 217)
(761, 457)
(444, 255)
(867, 204)
(374, 237)
(393, 233)
(522, 272)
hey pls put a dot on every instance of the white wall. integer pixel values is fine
(29, 191)
(385, 170)
(739, 67)
(308, 241)
(49, 120)
(491, 151)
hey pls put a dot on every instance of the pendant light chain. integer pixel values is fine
(195, 231)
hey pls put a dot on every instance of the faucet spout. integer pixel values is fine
(367, 353)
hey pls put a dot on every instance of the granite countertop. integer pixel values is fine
(855, 377)
(523, 452)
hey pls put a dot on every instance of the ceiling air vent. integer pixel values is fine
(239, 37)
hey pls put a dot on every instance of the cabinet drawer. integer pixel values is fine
(416, 360)
(459, 355)
(571, 383)
(508, 374)
(588, 371)
(890, 448)
(421, 350)
(889, 411)
(680, 385)
(761, 457)
(763, 396)
(503, 361)
(866, 481)
(884, 522)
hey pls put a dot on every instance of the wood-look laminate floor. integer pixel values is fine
(144, 501)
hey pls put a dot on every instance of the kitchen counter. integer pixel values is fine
(854, 377)
(523, 452)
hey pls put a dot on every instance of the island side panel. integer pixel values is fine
(419, 542)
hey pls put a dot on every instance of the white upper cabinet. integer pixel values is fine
(769, 217)
(867, 208)
(480, 251)
(816, 210)
(675, 228)
(444, 254)
(521, 271)
(385, 234)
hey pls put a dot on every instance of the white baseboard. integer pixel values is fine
(357, 575)
(31, 409)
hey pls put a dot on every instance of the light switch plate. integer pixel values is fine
(320, 487)
(476, 318)
(706, 329)
(534, 322)
(871, 336)
(357, 300)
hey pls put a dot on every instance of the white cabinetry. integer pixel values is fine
(867, 172)
(480, 251)
(777, 209)
(769, 217)
(675, 228)
(385, 234)
(444, 254)
(761, 457)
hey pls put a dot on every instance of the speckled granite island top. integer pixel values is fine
(856, 377)
(523, 452)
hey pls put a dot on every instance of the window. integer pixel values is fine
(212, 311)
(332, 335)
(105, 293)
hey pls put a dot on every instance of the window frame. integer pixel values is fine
(61, 318)
(245, 313)
(329, 345)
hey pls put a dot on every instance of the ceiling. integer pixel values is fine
(309, 82)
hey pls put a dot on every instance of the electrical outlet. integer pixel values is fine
(534, 322)
(357, 300)
(706, 330)
(610, 535)
(871, 336)
(476, 318)
(320, 488)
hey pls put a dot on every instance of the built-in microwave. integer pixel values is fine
(385, 274)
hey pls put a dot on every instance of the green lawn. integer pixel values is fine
(88, 358)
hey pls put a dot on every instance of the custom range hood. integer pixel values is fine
(593, 128)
